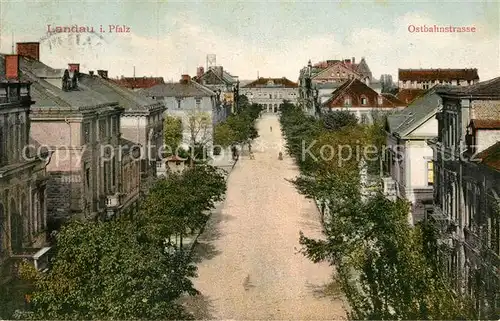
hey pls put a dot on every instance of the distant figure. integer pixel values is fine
(280, 156)
(271, 128)
(251, 155)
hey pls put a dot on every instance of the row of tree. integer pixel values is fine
(239, 128)
(130, 267)
(385, 268)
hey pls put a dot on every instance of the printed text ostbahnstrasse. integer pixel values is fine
(438, 29)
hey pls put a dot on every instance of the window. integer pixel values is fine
(87, 178)
(270, 96)
(379, 100)
(198, 103)
(363, 100)
(178, 103)
(102, 129)
(2, 147)
(114, 125)
(113, 173)
(430, 173)
(347, 101)
(86, 133)
(364, 119)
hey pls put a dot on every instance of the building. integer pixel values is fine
(185, 99)
(141, 121)
(136, 83)
(271, 92)
(426, 78)
(409, 160)
(221, 82)
(466, 191)
(81, 127)
(409, 95)
(364, 102)
(317, 82)
(23, 178)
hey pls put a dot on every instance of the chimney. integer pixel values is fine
(103, 73)
(185, 79)
(29, 49)
(199, 72)
(347, 61)
(219, 71)
(12, 67)
(74, 67)
(91, 73)
(353, 60)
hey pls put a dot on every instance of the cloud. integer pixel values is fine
(184, 47)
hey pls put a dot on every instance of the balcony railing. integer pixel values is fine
(14, 92)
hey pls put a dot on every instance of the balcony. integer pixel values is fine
(113, 201)
(389, 187)
(14, 92)
(39, 259)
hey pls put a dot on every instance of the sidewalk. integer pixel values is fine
(226, 164)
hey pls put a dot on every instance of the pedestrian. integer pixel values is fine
(271, 128)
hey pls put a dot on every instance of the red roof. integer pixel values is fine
(490, 156)
(485, 123)
(437, 74)
(272, 82)
(409, 95)
(356, 90)
(139, 82)
(175, 158)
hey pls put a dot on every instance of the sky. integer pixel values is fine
(250, 38)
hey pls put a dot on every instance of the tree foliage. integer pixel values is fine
(128, 268)
(384, 266)
(335, 120)
(172, 129)
(179, 204)
(107, 270)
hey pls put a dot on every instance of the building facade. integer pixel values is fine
(191, 102)
(141, 121)
(23, 179)
(271, 92)
(409, 160)
(356, 97)
(426, 78)
(466, 193)
(318, 82)
(81, 127)
(221, 82)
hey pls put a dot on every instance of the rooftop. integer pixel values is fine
(409, 95)
(437, 74)
(271, 82)
(485, 123)
(420, 110)
(138, 82)
(490, 156)
(188, 89)
(489, 88)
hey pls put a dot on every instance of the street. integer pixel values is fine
(248, 260)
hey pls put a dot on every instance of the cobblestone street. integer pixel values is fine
(248, 260)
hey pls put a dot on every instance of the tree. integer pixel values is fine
(172, 129)
(111, 270)
(335, 120)
(224, 136)
(177, 206)
(383, 264)
(199, 126)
